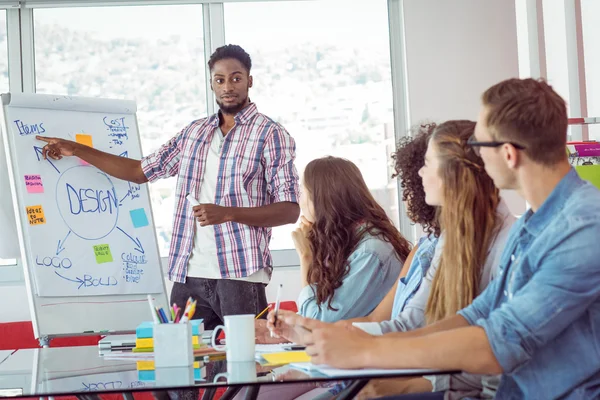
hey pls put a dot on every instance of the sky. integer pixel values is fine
(275, 22)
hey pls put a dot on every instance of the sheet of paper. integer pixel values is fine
(286, 357)
(272, 348)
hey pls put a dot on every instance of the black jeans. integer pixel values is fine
(217, 298)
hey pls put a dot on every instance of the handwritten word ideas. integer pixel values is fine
(35, 215)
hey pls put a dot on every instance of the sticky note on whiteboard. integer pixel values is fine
(139, 218)
(84, 139)
(33, 184)
(35, 215)
(102, 253)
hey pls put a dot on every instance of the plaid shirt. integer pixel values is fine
(256, 169)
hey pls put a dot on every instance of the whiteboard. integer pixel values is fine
(88, 241)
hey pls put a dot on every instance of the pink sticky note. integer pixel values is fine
(33, 183)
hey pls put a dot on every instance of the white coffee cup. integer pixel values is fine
(239, 332)
(239, 372)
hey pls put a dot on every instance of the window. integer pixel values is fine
(151, 54)
(322, 69)
(590, 21)
(3, 53)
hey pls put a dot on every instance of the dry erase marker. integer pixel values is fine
(192, 200)
(153, 310)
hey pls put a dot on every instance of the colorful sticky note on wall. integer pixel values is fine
(102, 253)
(139, 218)
(35, 215)
(33, 184)
(84, 139)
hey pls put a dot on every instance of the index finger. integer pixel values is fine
(44, 138)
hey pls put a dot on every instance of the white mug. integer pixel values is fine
(239, 332)
(239, 372)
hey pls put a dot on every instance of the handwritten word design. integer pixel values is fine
(33, 184)
(88, 200)
(35, 215)
(25, 129)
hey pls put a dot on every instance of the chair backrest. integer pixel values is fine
(19, 335)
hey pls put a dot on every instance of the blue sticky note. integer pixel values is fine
(138, 217)
(145, 330)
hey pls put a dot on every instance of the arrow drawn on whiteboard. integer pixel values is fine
(124, 154)
(124, 197)
(78, 280)
(136, 241)
(39, 154)
(60, 247)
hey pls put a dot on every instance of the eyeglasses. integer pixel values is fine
(472, 142)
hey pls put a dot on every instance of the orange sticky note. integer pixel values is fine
(84, 139)
(35, 215)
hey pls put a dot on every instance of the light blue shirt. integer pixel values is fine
(374, 268)
(409, 284)
(542, 313)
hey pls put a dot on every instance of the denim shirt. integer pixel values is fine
(542, 313)
(409, 284)
(374, 268)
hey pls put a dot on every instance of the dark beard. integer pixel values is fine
(234, 109)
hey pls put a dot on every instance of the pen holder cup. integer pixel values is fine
(173, 345)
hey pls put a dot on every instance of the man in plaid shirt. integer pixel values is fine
(239, 165)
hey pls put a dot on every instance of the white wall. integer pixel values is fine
(455, 50)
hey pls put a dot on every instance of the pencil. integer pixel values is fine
(262, 312)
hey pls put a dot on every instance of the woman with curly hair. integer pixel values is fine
(408, 159)
(350, 252)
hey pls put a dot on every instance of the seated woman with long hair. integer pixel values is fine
(350, 252)
(474, 226)
(408, 159)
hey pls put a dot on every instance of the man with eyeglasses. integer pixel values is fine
(538, 322)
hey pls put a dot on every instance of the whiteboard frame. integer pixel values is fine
(42, 332)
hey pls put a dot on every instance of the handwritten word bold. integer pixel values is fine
(90, 281)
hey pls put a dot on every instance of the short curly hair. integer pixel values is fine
(408, 159)
(230, 51)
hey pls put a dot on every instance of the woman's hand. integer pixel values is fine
(300, 238)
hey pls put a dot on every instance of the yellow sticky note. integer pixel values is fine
(286, 357)
(35, 215)
(148, 365)
(84, 139)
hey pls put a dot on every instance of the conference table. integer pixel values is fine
(85, 373)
